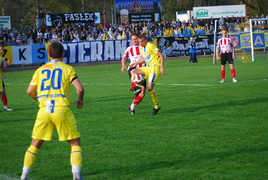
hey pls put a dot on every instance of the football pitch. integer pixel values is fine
(204, 130)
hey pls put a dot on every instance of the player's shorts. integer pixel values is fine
(152, 73)
(1, 85)
(62, 118)
(226, 57)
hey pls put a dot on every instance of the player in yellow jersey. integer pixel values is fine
(155, 68)
(50, 86)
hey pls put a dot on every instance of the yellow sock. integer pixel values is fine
(30, 156)
(76, 156)
(154, 98)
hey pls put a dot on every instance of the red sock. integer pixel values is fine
(137, 100)
(233, 72)
(4, 99)
(223, 74)
(133, 84)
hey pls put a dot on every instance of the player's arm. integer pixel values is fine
(5, 65)
(141, 60)
(123, 61)
(217, 53)
(80, 92)
(233, 52)
(163, 71)
(31, 91)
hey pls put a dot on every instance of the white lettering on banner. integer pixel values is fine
(258, 41)
(109, 50)
(120, 47)
(79, 16)
(66, 16)
(72, 52)
(96, 51)
(203, 44)
(82, 57)
(246, 41)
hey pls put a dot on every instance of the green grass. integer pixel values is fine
(205, 130)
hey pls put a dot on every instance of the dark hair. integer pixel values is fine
(134, 34)
(2, 45)
(142, 36)
(55, 50)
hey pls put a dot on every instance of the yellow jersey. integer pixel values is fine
(149, 53)
(53, 84)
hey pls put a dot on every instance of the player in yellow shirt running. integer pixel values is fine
(50, 86)
(151, 54)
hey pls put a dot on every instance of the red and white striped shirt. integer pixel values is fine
(134, 54)
(225, 44)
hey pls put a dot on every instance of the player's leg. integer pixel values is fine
(68, 130)
(231, 64)
(4, 98)
(42, 131)
(223, 62)
(30, 157)
(138, 71)
(76, 157)
(137, 100)
(133, 86)
(153, 77)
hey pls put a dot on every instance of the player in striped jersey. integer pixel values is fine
(133, 52)
(227, 54)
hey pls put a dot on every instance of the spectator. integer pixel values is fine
(40, 18)
(221, 21)
(9, 43)
(18, 41)
(24, 38)
(211, 21)
(201, 22)
(195, 22)
(119, 36)
(30, 40)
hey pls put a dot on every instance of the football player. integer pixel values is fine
(152, 72)
(50, 86)
(134, 54)
(3, 65)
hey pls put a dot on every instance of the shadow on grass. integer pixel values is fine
(220, 105)
(115, 172)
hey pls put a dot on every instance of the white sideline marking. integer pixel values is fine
(123, 84)
(7, 177)
(184, 84)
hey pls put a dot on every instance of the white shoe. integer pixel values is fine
(8, 109)
(222, 81)
(234, 80)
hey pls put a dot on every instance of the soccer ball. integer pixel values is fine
(243, 57)
(137, 79)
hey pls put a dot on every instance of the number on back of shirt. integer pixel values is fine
(54, 77)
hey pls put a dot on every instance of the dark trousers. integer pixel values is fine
(193, 57)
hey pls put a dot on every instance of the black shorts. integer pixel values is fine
(129, 74)
(226, 57)
(3, 84)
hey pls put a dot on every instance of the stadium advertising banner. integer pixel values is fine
(113, 50)
(56, 20)
(5, 22)
(180, 46)
(128, 11)
(206, 12)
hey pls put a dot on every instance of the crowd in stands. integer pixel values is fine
(110, 31)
